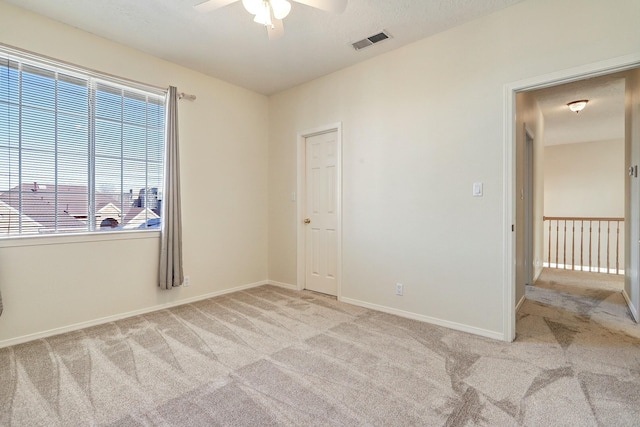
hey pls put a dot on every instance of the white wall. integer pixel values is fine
(585, 179)
(54, 283)
(420, 125)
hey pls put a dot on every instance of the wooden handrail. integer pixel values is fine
(580, 218)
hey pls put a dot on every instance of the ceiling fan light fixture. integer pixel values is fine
(577, 106)
(253, 6)
(270, 13)
(281, 8)
(264, 15)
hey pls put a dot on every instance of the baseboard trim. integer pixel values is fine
(427, 319)
(632, 309)
(283, 285)
(519, 304)
(537, 274)
(113, 318)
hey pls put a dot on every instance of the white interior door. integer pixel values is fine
(321, 213)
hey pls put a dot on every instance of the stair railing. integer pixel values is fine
(593, 244)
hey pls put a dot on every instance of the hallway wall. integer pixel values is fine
(585, 179)
(529, 117)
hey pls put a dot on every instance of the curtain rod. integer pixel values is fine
(186, 96)
(55, 61)
(78, 68)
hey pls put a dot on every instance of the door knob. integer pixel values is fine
(307, 221)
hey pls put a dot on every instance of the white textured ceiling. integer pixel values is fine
(227, 44)
(601, 120)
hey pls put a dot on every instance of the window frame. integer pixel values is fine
(94, 79)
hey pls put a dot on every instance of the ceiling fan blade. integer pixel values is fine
(335, 6)
(277, 31)
(209, 5)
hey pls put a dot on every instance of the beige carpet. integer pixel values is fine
(269, 356)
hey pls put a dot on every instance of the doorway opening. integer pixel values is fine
(580, 218)
(517, 271)
(583, 172)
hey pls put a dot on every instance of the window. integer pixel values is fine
(78, 152)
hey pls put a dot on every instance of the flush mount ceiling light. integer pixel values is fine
(270, 13)
(577, 106)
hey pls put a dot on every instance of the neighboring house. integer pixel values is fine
(41, 214)
(38, 205)
(135, 217)
(9, 224)
(110, 215)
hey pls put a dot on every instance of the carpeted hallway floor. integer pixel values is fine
(270, 356)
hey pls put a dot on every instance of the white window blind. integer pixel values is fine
(78, 152)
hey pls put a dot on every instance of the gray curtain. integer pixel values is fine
(171, 272)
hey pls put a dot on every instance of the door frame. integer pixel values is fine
(509, 189)
(301, 198)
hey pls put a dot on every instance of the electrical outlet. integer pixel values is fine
(187, 281)
(399, 289)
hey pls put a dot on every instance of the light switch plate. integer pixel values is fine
(477, 189)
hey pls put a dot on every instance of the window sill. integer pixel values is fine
(102, 236)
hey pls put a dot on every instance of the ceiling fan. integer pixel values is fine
(270, 13)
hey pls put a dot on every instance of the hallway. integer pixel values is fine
(581, 311)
